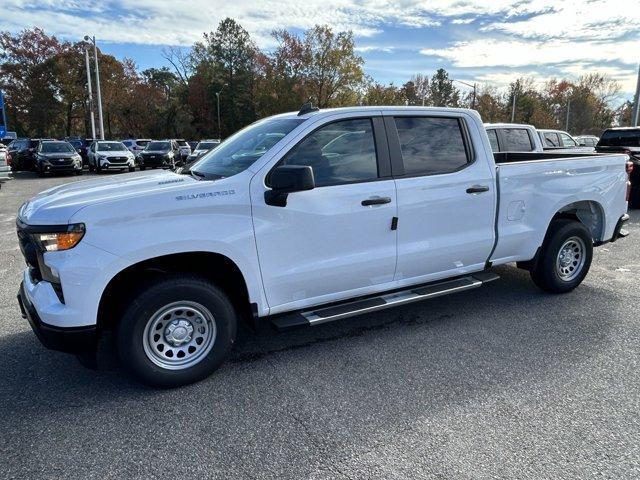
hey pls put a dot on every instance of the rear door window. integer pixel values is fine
(566, 140)
(431, 145)
(493, 140)
(551, 139)
(516, 140)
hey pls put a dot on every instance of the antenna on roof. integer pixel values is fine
(307, 107)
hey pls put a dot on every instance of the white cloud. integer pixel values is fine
(181, 22)
(462, 21)
(577, 19)
(519, 53)
(373, 48)
(567, 37)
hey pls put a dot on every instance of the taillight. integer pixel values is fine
(629, 167)
(8, 159)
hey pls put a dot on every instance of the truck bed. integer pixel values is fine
(532, 187)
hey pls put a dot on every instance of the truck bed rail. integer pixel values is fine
(513, 157)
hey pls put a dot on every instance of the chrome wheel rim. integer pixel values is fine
(571, 259)
(179, 335)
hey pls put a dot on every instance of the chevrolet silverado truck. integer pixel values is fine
(346, 211)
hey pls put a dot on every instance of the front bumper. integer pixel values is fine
(155, 162)
(5, 173)
(70, 340)
(116, 166)
(50, 167)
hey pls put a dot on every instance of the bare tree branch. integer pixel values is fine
(180, 62)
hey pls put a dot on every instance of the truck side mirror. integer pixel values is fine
(287, 179)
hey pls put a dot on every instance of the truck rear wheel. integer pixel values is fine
(564, 258)
(176, 331)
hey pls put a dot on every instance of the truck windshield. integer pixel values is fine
(241, 150)
(620, 138)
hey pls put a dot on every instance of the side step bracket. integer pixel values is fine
(339, 311)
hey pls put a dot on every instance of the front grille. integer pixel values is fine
(118, 160)
(61, 161)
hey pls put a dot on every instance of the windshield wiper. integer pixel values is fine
(206, 176)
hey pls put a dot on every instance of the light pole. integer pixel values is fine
(566, 123)
(93, 120)
(513, 107)
(218, 104)
(87, 38)
(472, 85)
(635, 114)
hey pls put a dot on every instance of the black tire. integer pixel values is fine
(142, 168)
(98, 168)
(41, 171)
(91, 169)
(153, 298)
(78, 172)
(547, 272)
(132, 169)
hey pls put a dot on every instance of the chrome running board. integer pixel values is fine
(332, 313)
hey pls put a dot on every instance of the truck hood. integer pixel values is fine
(57, 205)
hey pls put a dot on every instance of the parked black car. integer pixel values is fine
(625, 140)
(23, 153)
(54, 156)
(160, 154)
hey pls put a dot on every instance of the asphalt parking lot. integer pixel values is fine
(500, 382)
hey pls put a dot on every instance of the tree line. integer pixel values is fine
(45, 86)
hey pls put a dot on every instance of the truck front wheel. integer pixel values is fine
(564, 258)
(176, 331)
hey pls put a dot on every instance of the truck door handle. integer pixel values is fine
(375, 201)
(478, 189)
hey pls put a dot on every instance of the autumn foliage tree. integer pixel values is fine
(45, 86)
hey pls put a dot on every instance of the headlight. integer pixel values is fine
(65, 240)
(77, 157)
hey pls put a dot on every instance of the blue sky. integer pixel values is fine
(486, 41)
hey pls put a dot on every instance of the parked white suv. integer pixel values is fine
(559, 140)
(587, 140)
(348, 211)
(136, 145)
(513, 137)
(5, 164)
(107, 155)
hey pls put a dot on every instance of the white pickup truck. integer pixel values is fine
(341, 212)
